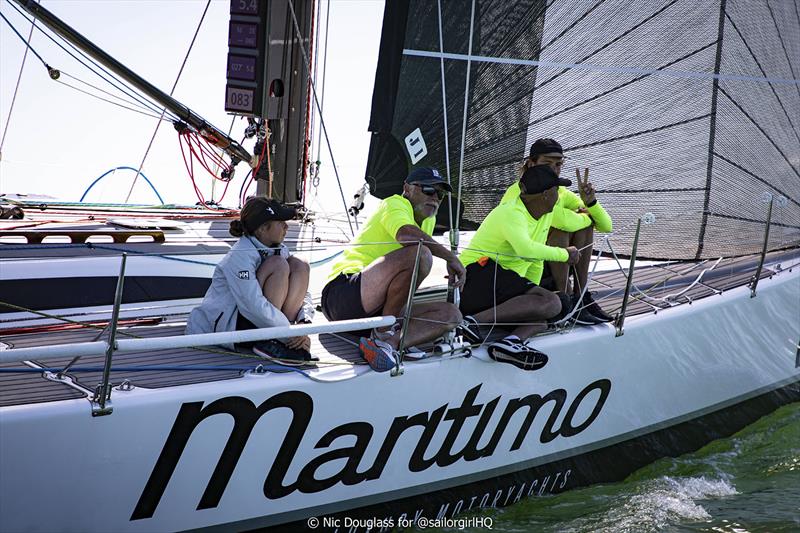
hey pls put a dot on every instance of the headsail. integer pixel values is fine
(687, 109)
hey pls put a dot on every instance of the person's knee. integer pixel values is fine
(551, 304)
(584, 236)
(451, 315)
(273, 265)
(559, 238)
(298, 267)
(425, 261)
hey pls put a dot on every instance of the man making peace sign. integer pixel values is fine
(574, 220)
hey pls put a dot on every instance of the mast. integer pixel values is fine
(207, 130)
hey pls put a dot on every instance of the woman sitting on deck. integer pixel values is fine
(258, 284)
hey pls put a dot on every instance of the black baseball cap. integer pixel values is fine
(545, 146)
(261, 209)
(428, 176)
(539, 178)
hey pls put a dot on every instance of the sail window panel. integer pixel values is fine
(629, 166)
(743, 143)
(769, 40)
(726, 237)
(786, 15)
(738, 193)
(649, 104)
(560, 94)
(631, 34)
(483, 188)
(775, 108)
(674, 233)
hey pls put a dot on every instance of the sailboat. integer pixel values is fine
(686, 112)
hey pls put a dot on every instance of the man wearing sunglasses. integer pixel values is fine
(373, 278)
(575, 217)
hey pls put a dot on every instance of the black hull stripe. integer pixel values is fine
(89, 291)
(610, 463)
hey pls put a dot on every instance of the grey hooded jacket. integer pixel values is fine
(235, 290)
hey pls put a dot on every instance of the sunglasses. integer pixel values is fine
(430, 190)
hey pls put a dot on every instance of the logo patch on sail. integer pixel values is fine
(415, 145)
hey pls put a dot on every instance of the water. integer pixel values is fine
(749, 482)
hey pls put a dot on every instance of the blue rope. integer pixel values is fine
(121, 168)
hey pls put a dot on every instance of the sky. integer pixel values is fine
(60, 140)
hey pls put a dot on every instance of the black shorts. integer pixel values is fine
(341, 298)
(482, 291)
(242, 324)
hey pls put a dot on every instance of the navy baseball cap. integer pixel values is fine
(428, 176)
(545, 146)
(539, 178)
(259, 210)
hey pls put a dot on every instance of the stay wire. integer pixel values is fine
(111, 95)
(164, 110)
(321, 120)
(151, 115)
(19, 77)
(140, 98)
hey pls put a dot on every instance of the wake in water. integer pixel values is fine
(749, 482)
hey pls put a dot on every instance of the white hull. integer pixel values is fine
(61, 469)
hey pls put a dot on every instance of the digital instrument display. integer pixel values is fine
(244, 7)
(243, 34)
(238, 99)
(241, 68)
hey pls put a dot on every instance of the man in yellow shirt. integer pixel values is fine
(373, 277)
(505, 260)
(574, 220)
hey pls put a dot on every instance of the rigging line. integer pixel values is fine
(464, 116)
(112, 95)
(26, 42)
(145, 113)
(453, 224)
(164, 110)
(595, 68)
(762, 180)
(758, 64)
(19, 78)
(321, 120)
(783, 45)
(539, 120)
(146, 103)
(324, 69)
(509, 40)
(763, 132)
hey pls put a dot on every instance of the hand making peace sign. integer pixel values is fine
(585, 188)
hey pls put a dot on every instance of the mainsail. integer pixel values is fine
(687, 109)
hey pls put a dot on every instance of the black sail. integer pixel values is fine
(686, 109)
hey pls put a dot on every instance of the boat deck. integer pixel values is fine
(338, 353)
